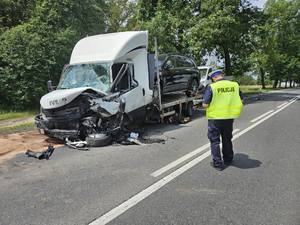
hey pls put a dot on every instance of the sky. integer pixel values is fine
(258, 3)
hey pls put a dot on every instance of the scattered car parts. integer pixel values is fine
(41, 155)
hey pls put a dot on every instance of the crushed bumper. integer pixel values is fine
(43, 127)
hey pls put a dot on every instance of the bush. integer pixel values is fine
(35, 51)
(29, 56)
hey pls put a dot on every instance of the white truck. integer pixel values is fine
(111, 81)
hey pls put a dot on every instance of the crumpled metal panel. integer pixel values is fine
(105, 108)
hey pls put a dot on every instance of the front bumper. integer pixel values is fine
(44, 124)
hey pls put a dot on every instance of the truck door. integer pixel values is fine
(128, 87)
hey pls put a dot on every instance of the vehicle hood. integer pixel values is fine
(59, 98)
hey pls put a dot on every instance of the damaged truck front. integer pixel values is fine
(105, 85)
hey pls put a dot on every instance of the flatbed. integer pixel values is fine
(178, 103)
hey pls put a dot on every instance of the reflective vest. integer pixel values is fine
(226, 102)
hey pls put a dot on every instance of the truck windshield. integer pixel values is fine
(95, 75)
(203, 72)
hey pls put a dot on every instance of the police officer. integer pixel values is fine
(223, 103)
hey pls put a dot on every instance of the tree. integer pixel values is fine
(258, 56)
(85, 19)
(120, 15)
(224, 26)
(14, 12)
(169, 22)
(146, 10)
(276, 41)
(35, 51)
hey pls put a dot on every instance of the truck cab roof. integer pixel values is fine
(108, 47)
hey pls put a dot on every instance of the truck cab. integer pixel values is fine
(111, 80)
(105, 72)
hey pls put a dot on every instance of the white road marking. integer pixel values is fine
(117, 211)
(261, 116)
(201, 149)
(112, 214)
(262, 120)
(235, 131)
(283, 104)
(294, 98)
(180, 160)
(183, 158)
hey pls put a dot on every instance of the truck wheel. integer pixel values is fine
(98, 140)
(193, 88)
(189, 111)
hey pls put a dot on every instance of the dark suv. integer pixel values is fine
(178, 73)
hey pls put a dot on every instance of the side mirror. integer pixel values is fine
(50, 86)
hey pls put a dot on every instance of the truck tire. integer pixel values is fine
(193, 88)
(189, 110)
(98, 140)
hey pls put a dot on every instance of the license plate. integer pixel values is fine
(42, 131)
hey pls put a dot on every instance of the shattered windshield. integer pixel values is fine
(95, 75)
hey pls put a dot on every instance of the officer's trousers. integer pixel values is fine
(223, 129)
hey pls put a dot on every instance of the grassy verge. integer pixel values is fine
(254, 89)
(17, 128)
(6, 115)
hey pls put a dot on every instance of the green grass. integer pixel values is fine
(254, 89)
(17, 128)
(6, 115)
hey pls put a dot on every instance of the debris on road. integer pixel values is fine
(12, 144)
(133, 138)
(148, 140)
(41, 155)
(79, 145)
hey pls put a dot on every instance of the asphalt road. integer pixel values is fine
(116, 184)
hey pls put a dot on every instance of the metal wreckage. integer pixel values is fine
(91, 117)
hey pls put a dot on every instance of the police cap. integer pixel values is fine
(215, 73)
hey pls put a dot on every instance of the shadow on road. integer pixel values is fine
(243, 161)
(273, 96)
(161, 128)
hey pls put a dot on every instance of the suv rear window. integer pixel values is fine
(184, 62)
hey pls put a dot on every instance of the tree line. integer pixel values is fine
(37, 37)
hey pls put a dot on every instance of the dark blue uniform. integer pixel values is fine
(219, 129)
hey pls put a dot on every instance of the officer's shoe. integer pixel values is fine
(219, 166)
(228, 163)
